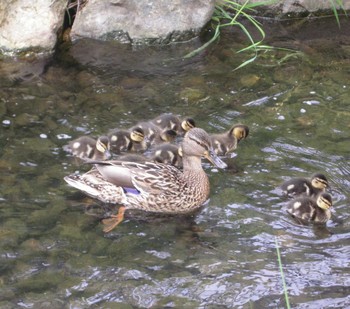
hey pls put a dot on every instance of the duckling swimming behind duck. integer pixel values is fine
(154, 134)
(170, 121)
(168, 154)
(127, 140)
(85, 147)
(300, 185)
(227, 142)
(308, 209)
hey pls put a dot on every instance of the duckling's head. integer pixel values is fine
(137, 135)
(103, 146)
(188, 124)
(197, 143)
(239, 131)
(324, 200)
(168, 135)
(319, 181)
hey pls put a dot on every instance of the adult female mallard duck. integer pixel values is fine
(311, 209)
(170, 121)
(299, 185)
(85, 147)
(153, 187)
(154, 134)
(127, 140)
(227, 142)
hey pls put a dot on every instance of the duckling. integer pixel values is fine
(308, 209)
(299, 185)
(154, 134)
(227, 142)
(127, 140)
(85, 147)
(170, 121)
(168, 154)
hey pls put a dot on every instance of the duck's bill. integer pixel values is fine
(215, 160)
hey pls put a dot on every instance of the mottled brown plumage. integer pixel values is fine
(154, 187)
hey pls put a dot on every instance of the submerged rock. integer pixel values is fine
(133, 21)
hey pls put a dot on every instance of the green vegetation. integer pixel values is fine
(232, 14)
(282, 274)
(335, 5)
(227, 14)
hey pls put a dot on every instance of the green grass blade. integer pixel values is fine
(282, 274)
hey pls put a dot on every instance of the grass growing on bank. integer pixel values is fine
(229, 14)
(335, 5)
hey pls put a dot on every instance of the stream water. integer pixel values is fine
(53, 251)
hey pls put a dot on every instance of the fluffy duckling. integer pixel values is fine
(154, 134)
(127, 140)
(227, 142)
(308, 209)
(304, 186)
(85, 147)
(170, 121)
(168, 154)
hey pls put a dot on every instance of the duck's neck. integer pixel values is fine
(192, 163)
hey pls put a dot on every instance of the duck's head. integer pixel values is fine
(188, 124)
(324, 201)
(319, 181)
(197, 143)
(103, 146)
(239, 131)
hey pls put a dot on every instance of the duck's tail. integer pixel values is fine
(96, 187)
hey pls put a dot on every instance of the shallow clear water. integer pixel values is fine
(52, 249)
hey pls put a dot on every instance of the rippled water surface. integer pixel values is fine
(52, 249)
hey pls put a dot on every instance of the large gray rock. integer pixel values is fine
(30, 24)
(144, 21)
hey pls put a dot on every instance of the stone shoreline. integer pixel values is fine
(36, 26)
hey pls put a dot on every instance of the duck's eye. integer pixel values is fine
(204, 145)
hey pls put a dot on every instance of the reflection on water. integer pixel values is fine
(52, 248)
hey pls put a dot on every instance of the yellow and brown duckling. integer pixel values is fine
(311, 209)
(153, 134)
(85, 147)
(227, 142)
(168, 154)
(170, 121)
(303, 186)
(127, 140)
(150, 186)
